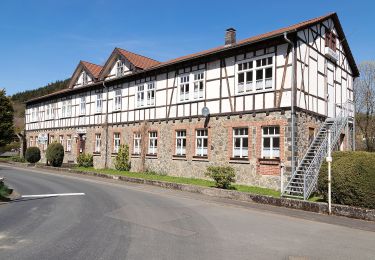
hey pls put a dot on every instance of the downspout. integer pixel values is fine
(106, 126)
(292, 103)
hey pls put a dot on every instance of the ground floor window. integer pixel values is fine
(201, 142)
(31, 141)
(137, 143)
(98, 142)
(271, 142)
(68, 143)
(116, 142)
(51, 139)
(61, 140)
(152, 142)
(241, 142)
(181, 142)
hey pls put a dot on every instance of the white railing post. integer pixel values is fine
(329, 160)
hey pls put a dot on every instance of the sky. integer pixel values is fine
(43, 41)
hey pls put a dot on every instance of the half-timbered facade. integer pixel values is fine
(264, 99)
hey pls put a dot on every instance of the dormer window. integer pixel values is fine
(330, 40)
(84, 78)
(120, 68)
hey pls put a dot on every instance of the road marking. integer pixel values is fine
(52, 195)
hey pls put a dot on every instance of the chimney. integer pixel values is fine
(230, 36)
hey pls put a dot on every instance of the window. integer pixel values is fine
(181, 142)
(50, 111)
(31, 141)
(84, 78)
(198, 85)
(69, 108)
(118, 99)
(146, 90)
(83, 106)
(120, 68)
(255, 75)
(99, 103)
(98, 143)
(271, 142)
(240, 142)
(330, 40)
(140, 95)
(68, 143)
(150, 94)
(61, 139)
(51, 139)
(34, 114)
(116, 142)
(311, 134)
(137, 143)
(201, 142)
(196, 80)
(152, 143)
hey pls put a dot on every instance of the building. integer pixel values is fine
(264, 98)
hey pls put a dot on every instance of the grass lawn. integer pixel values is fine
(182, 180)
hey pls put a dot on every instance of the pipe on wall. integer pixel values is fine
(106, 126)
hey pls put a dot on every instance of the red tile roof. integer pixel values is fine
(92, 68)
(137, 60)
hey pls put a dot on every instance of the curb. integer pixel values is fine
(317, 207)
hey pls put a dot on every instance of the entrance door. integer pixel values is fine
(331, 106)
(81, 144)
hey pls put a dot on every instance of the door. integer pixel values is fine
(331, 106)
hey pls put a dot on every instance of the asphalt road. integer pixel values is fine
(128, 221)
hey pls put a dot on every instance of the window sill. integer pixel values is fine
(200, 158)
(96, 153)
(114, 154)
(239, 160)
(151, 156)
(179, 157)
(135, 155)
(269, 161)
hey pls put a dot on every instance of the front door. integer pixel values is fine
(81, 144)
(331, 106)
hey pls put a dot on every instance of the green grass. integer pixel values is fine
(182, 180)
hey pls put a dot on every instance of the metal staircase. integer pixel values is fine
(303, 180)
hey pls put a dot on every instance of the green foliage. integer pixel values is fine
(55, 154)
(222, 175)
(32, 154)
(6, 120)
(353, 179)
(4, 191)
(85, 160)
(17, 159)
(10, 147)
(122, 162)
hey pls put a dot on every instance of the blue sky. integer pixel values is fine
(43, 41)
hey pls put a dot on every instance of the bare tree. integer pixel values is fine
(364, 96)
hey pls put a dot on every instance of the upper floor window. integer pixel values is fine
(181, 142)
(118, 99)
(256, 74)
(140, 95)
(330, 40)
(120, 68)
(84, 78)
(99, 103)
(137, 143)
(34, 114)
(69, 108)
(201, 142)
(271, 142)
(150, 94)
(143, 91)
(187, 82)
(241, 142)
(152, 142)
(83, 106)
(63, 109)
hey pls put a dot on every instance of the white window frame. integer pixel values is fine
(63, 109)
(180, 140)
(99, 102)
(150, 93)
(61, 139)
(273, 152)
(31, 141)
(137, 142)
(117, 99)
(191, 81)
(253, 88)
(153, 142)
(85, 80)
(82, 105)
(98, 143)
(120, 67)
(69, 108)
(116, 142)
(201, 135)
(140, 95)
(241, 151)
(146, 93)
(68, 143)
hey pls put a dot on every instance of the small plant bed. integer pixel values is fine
(182, 180)
(4, 191)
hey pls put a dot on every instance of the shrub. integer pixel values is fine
(17, 159)
(353, 179)
(122, 162)
(55, 154)
(85, 160)
(32, 154)
(222, 175)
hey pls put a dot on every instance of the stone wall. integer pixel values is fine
(253, 171)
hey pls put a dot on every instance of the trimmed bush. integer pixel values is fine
(85, 160)
(222, 175)
(122, 162)
(32, 154)
(55, 154)
(353, 179)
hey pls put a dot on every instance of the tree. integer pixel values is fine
(6, 119)
(364, 96)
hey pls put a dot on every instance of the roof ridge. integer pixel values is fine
(137, 54)
(91, 63)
